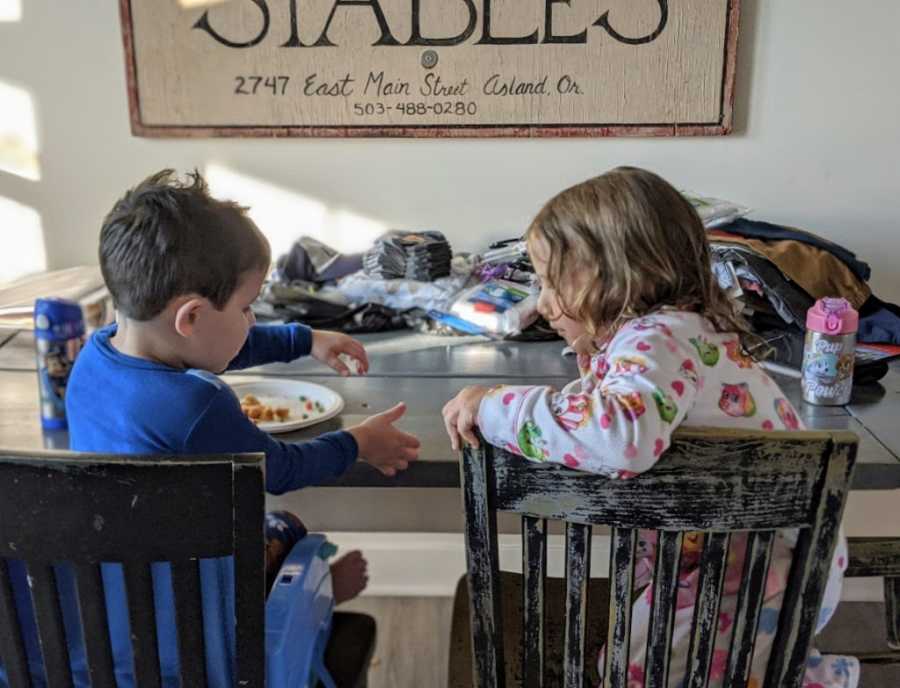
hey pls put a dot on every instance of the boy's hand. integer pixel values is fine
(381, 444)
(327, 347)
(461, 415)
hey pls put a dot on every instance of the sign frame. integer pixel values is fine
(721, 127)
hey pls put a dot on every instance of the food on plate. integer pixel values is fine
(311, 407)
(259, 412)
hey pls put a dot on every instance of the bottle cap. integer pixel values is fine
(57, 319)
(832, 316)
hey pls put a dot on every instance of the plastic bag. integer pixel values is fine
(498, 306)
(715, 212)
(403, 294)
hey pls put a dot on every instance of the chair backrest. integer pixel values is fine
(710, 480)
(84, 509)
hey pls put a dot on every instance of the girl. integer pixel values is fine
(626, 280)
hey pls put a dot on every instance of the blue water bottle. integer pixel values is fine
(58, 337)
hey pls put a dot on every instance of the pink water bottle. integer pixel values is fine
(828, 352)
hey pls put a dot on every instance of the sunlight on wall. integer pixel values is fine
(357, 233)
(22, 249)
(283, 215)
(18, 133)
(10, 10)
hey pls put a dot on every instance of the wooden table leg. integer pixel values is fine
(892, 610)
(880, 556)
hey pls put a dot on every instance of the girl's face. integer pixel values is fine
(551, 301)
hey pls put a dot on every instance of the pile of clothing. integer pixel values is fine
(777, 273)
(413, 280)
(302, 289)
(406, 280)
(420, 256)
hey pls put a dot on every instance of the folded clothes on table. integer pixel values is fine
(421, 256)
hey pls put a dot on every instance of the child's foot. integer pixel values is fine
(349, 576)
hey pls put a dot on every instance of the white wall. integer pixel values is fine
(817, 141)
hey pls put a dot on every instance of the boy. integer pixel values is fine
(183, 269)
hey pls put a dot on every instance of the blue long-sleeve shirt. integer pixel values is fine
(122, 404)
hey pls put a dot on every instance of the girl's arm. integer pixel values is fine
(622, 426)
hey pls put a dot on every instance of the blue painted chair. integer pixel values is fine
(123, 571)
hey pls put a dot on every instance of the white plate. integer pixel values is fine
(288, 394)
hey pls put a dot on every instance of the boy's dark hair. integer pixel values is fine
(165, 238)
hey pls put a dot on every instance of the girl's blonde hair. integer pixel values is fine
(643, 247)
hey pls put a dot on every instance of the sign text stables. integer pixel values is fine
(489, 34)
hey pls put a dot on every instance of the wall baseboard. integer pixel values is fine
(430, 564)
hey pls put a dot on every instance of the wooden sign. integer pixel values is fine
(430, 67)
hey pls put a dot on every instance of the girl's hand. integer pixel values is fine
(461, 415)
(327, 347)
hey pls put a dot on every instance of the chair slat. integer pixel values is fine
(662, 612)
(750, 602)
(142, 617)
(249, 575)
(92, 606)
(578, 573)
(809, 571)
(713, 564)
(534, 567)
(189, 612)
(483, 563)
(51, 631)
(12, 649)
(621, 574)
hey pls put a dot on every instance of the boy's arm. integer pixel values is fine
(271, 343)
(223, 428)
(618, 430)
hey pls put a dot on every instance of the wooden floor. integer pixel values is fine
(859, 627)
(413, 637)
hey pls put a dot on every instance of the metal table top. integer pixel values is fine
(425, 371)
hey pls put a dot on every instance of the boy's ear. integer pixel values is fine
(187, 313)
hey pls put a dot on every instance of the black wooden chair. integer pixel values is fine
(83, 509)
(713, 481)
